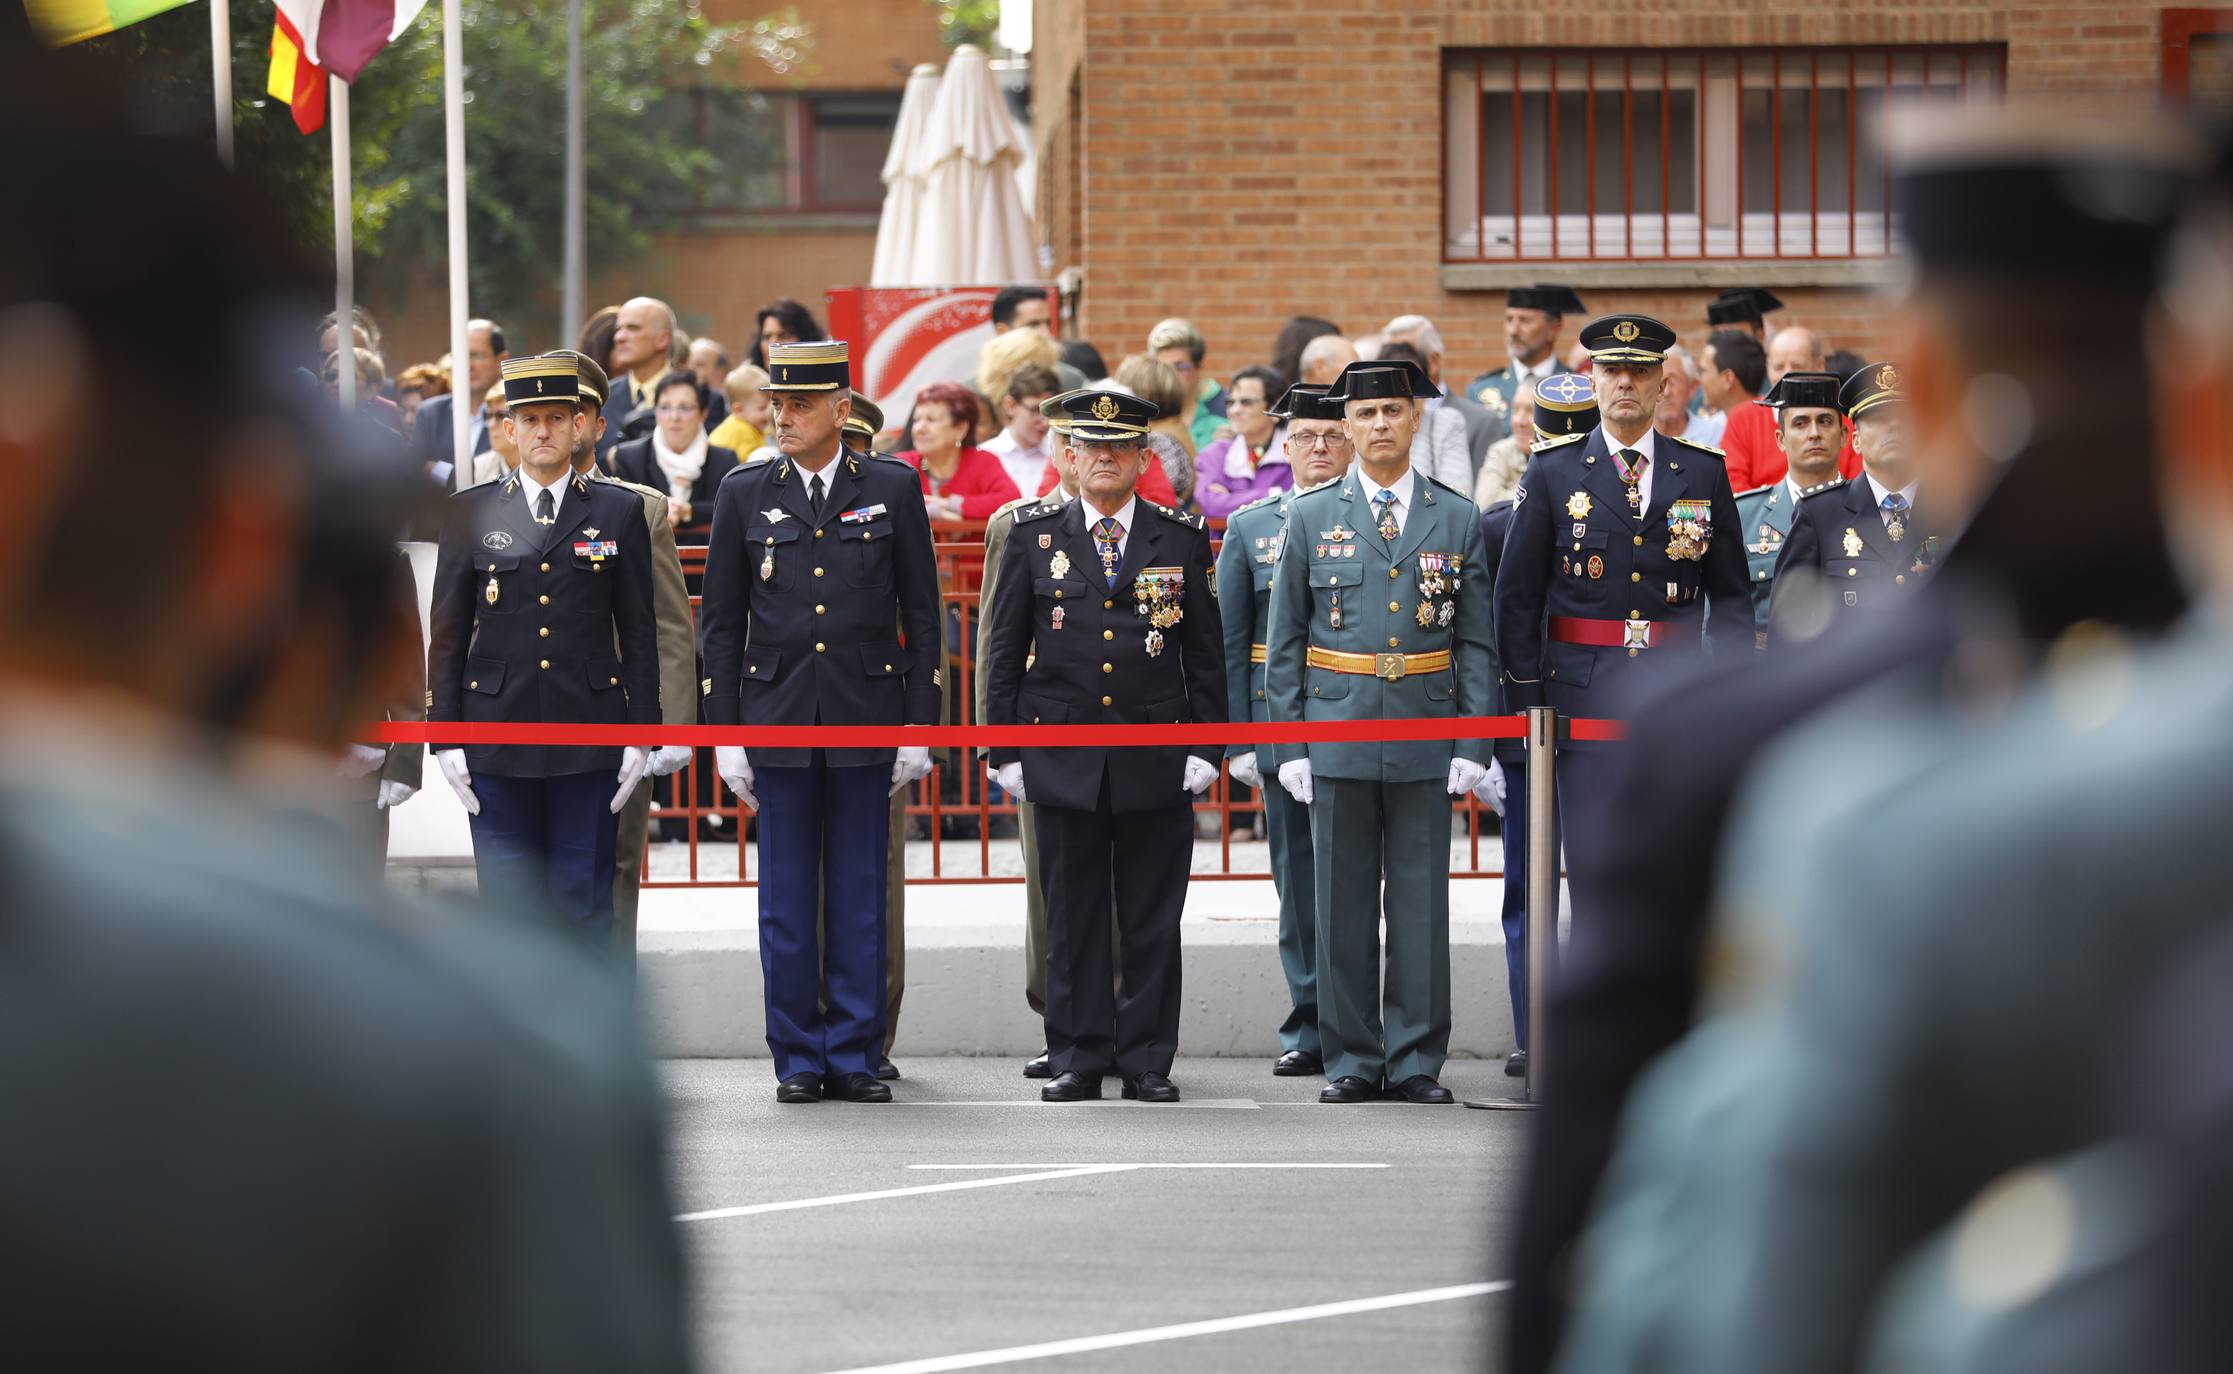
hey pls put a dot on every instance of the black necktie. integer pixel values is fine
(546, 510)
(814, 493)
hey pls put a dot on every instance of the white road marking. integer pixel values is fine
(1249, 1165)
(1116, 1340)
(798, 1204)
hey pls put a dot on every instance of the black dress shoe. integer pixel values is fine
(1072, 1087)
(887, 1070)
(1298, 1064)
(1348, 1089)
(1039, 1068)
(1151, 1087)
(800, 1087)
(1423, 1090)
(860, 1087)
(1515, 1064)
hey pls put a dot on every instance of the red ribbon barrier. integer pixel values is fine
(977, 736)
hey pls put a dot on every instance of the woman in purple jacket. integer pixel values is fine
(1251, 461)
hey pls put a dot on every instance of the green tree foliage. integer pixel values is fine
(645, 167)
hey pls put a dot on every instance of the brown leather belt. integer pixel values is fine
(1387, 667)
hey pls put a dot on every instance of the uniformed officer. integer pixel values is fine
(1380, 610)
(820, 608)
(1859, 543)
(1532, 316)
(678, 653)
(1743, 307)
(862, 424)
(1623, 543)
(1810, 425)
(1255, 537)
(542, 611)
(1107, 614)
(1564, 404)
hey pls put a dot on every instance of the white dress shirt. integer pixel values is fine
(530, 488)
(1880, 491)
(1402, 487)
(1026, 464)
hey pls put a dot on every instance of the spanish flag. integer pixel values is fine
(294, 79)
(73, 21)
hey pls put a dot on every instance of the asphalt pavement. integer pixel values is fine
(823, 1239)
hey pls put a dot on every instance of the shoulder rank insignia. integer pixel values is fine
(1557, 439)
(1818, 488)
(1702, 448)
(1038, 512)
(1316, 486)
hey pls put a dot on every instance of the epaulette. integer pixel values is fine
(1005, 506)
(1446, 486)
(1038, 512)
(1693, 443)
(1818, 488)
(1190, 521)
(756, 461)
(1315, 486)
(1557, 439)
(1272, 499)
(639, 488)
(1755, 491)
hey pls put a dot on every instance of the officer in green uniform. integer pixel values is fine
(1810, 425)
(1255, 536)
(1532, 316)
(1379, 611)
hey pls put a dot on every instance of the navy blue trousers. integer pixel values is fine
(1515, 892)
(823, 833)
(546, 844)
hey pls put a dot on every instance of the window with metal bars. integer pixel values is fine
(1629, 155)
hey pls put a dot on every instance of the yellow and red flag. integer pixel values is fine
(313, 37)
(295, 79)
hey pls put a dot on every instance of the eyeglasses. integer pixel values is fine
(1305, 443)
(675, 412)
(1182, 367)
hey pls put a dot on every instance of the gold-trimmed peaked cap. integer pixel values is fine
(1874, 385)
(596, 386)
(1095, 416)
(543, 377)
(865, 421)
(822, 365)
(1627, 339)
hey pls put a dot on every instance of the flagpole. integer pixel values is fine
(577, 196)
(462, 406)
(221, 75)
(344, 245)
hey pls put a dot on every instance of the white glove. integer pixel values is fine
(360, 760)
(1465, 775)
(912, 762)
(729, 761)
(394, 794)
(1244, 770)
(669, 758)
(452, 762)
(633, 762)
(1010, 778)
(1490, 791)
(1200, 773)
(1294, 775)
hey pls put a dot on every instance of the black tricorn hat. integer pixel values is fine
(1370, 378)
(1742, 305)
(1817, 390)
(1551, 298)
(1307, 401)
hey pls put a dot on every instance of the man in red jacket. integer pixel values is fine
(1731, 372)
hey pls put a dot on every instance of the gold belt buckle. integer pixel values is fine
(1387, 667)
(1635, 634)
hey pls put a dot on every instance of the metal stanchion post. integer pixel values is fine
(1542, 887)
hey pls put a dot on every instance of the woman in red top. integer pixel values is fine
(960, 482)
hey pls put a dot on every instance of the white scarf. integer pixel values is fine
(684, 468)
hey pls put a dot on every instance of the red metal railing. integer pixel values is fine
(956, 795)
(1711, 211)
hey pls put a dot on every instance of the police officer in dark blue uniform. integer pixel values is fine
(1623, 544)
(821, 608)
(539, 578)
(1865, 541)
(1106, 614)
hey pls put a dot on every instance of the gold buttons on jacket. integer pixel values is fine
(546, 567)
(1058, 593)
(1108, 701)
(817, 572)
(887, 667)
(821, 610)
(1108, 667)
(1639, 541)
(1391, 641)
(1394, 607)
(819, 533)
(475, 685)
(544, 632)
(543, 600)
(1108, 634)
(616, 682)
(1108, 605)
(819, 647)
(1636, 577)
(1394, 573)
(546, 663)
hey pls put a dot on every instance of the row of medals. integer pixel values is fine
(1153, 595)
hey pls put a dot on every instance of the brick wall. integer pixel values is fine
(858, 45)
(1246, 160)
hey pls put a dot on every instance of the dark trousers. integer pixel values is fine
(822, 831)
(1287, 827)
(547, 844)
(1147, 855)
(1515, 891)
(1588, 830)
(1381, 851)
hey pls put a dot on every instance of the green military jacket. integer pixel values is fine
(1341, 589)
(1254, 535)
(1764, 516)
